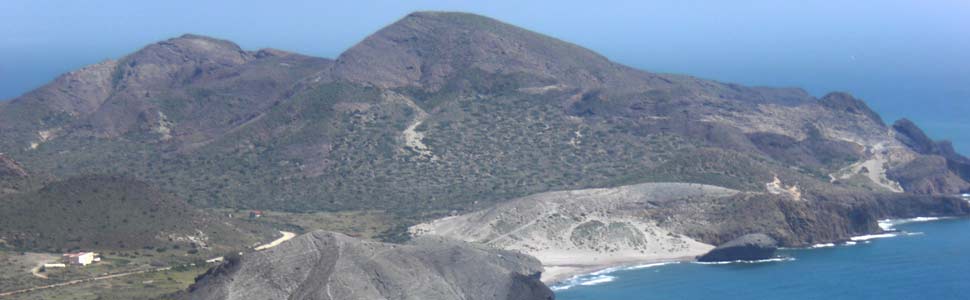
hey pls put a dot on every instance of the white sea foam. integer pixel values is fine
(816, 246)
(597, 280)
(872, 236)
(601, 276)
(886, 224)
(776, 259)
(850, 243)
(637, 267)
(583, 280)
(890, 224)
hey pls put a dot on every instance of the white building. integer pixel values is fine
(81, 258)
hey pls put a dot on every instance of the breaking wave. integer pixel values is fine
(582, 280)
(770, 260)
(890, 224)
(601, 276)
(872, 236)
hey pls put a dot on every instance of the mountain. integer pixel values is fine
(112, 213)
(325, 265)
(442, 113)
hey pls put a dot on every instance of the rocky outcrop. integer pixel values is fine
(914, 137)
(938, 169)
(331, 266)
(10, 169)
(755, 246)
(13, 176)
(844, 102)
(822, 218)
(928, 174)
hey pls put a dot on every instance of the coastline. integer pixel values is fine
(558, 273)
(924, 261)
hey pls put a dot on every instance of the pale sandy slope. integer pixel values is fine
(579, 231)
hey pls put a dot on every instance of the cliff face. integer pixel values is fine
(324, 265)
(824, 218)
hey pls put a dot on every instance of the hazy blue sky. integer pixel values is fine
(906, 58)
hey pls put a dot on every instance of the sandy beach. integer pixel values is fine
(561, 270)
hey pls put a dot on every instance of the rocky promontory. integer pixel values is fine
(326, 265)
(755, 246)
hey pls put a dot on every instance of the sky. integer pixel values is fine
(905, 58)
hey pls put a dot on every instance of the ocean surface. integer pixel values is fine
(924, 259)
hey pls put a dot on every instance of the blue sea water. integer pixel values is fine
(925, 260)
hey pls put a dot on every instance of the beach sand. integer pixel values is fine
(562, 267)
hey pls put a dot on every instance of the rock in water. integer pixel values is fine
(753, 246)
(325, 265)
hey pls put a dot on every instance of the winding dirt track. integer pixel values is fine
(286, 237)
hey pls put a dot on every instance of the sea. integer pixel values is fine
(922, 258)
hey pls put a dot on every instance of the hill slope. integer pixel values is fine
(13, 176)
(324, 265)
(449, 111)
(107, 212)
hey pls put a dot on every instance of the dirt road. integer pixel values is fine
(286, 237)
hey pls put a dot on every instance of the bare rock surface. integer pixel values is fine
(10, 168)
(331, 266)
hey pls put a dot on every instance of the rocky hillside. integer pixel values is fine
(13, 176)
(324, 265)
(452, 112)
(112, 213)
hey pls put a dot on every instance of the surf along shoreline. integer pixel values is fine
(563, 277)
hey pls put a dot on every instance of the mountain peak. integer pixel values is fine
(191, 47)
(842, 101)
(162, 64)
(426, 49)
